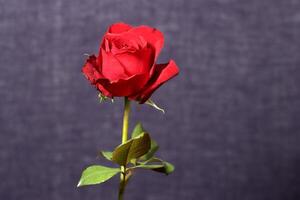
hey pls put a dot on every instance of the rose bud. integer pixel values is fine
(126, 63)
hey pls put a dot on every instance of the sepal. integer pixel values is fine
(152, 104)
(103, 98)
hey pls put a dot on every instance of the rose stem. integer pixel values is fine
(124, 139)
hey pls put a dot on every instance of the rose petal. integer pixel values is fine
(90, 70)
(127, 42)
(111, 68)
(119, 27)
(153, 37)
(137, 62)
(103, 90)
(126, 87)
(162, 73)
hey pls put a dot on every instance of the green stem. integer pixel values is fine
(124, 139)
(125, 120)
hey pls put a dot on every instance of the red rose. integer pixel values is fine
(126, 64)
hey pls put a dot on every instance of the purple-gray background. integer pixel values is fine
(232, 119)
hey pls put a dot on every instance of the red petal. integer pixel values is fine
(103, 90)
(111, 68)
(119, 27)
(162, 73)
(126, 87)
(153, 37)
(90, 70)
(137, 62)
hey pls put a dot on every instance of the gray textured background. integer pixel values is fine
(233, 115)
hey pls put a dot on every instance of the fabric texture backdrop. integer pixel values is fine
(232, 119)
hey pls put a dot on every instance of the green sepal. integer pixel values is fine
(97, 174)
(152, 104)
(107, 155)
(103, 98)
(132, 149)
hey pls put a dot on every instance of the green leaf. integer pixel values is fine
(138, 130)
(132, 149)
(148, 166)
(153, 149)
(151, 103)
(106, 154)
(96, 174)
(167, 168)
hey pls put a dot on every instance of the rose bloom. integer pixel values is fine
(126, 63)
